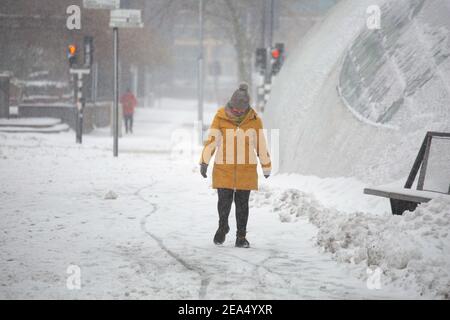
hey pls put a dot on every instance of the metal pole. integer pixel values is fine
(268, 34)
(94, 82)
(76, 97)
(80, 106)
(272, 8)
(423, 169)
(116, 92)
(261, 78)
(200, 72)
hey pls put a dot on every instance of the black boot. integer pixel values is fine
(241, 201)
(223, 207)
(219, 237)
(241, 241)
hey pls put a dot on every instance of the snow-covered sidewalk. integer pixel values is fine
(141, 226)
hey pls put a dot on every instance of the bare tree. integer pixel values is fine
(240, 23)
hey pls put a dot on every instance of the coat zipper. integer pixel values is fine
(235, 160)
(235, 164)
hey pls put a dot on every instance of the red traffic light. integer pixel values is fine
(71, 50)
(275, 53)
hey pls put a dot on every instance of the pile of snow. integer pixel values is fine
(38, 122)
(45, 84)
(413, 250)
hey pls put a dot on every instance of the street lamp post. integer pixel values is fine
(200, 72)
(116, 91)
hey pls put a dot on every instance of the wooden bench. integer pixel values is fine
(403, 199)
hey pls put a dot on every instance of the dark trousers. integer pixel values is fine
(241, 198)
(128, 123)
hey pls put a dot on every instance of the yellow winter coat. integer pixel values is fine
(237, 150)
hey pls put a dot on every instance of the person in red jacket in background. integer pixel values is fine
(129, 103)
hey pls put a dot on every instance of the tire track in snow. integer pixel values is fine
(205, 278)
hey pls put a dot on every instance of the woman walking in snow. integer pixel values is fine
(237, 134)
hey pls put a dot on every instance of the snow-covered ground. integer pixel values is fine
(141, 226)
(410, 251)
(77, 223)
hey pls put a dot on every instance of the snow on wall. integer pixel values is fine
(384, 67)
(357, 102)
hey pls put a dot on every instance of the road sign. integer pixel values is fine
(126, 19)
(80, 71)
(101, 4)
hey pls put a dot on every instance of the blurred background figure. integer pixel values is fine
(129, 103)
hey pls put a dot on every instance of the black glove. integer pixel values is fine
(203, 169)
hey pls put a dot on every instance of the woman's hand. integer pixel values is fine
(203, 169)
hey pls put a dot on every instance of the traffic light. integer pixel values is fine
(88, 51)
(261, 59)
(277, 54)
(72, 52)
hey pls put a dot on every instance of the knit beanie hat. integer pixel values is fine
(240, 98)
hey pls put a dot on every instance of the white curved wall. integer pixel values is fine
(328, 135)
